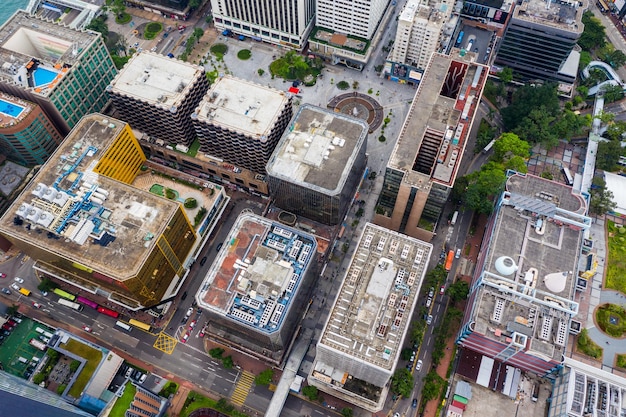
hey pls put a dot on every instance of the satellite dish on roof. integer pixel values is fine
(505, 265)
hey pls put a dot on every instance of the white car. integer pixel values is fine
(418, 367)
(18, 279)
(429, 320)
(189, 312)
(15, 287)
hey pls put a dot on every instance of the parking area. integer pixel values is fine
(482, 41)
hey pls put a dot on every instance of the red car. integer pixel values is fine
(37, 305)
(87, 329)
(192, 325)
(3, 275)
(201, 334)
(184, 338)
(442, 290)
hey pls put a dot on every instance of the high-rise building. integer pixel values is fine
(521, 302)
(88, 227)
(20, 397)
(582, 389)
(539, 41)
(360, 345)
(283, 22)
(65, 71)
(27, 136)
(424, 164)
(241, 122)
(346, 32)
(420, 26)
(157, 94)
(255, 291)
(318, 164)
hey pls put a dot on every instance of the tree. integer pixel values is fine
(526, 99)
(506, 75)
(227, 362)
(517, 164)
(355, 85)
(483, 186)
(261, 71)
(194, 4)
(402, 382)
(311, 392)
(585, 59)
(39, 378)
(265, 377)
(608, 155)
(485, 135)
(536, 128)
(458, 291)
(99, 25)
(118, 8)
(593, 35)
(612, 93)
(216, 353)
(433, 385)
(197, 33)
(46, 284)
(458, 190)
(601, 198)
(406, 353)
(346, 412)
(509, 145)
(616, 130)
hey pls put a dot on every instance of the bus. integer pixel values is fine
(123, 325)
(64, 294)
(139, 324)
(108, 312)
(36, 343)
(449, 260)
(70, 304)
(24, 291)
(460, 38)
(568, 176)
(454, 217)
(489, 146)
(86, 302)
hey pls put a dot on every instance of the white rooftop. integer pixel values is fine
(156, 78)
(242, 106)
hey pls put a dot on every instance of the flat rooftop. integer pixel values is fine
(257, 273)
(75, 213)
(13, 110)
(318, 149)
(156, 79)
(562, 15)
(36, 53)
(530, 266)
(433, 138)
(242, 106)
(375, 303)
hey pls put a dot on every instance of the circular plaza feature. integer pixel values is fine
(360, 106)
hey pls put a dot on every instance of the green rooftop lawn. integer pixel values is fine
(93, 358)
(123, 403)
(616, 265)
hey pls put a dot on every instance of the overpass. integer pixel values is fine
(87, 10)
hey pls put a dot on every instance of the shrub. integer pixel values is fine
(169, 389)
(61, 389)
(343, 85)
(244, 54)
(228, 362)
(310, 392)
(191, 203)
(588, 346)
(39, 378)
(216, 353)
(123, 18)
(265, 377)
(170, 194)
(219, 49)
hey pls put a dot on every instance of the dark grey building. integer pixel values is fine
(539, 41)
(318, 164)
(18, 397)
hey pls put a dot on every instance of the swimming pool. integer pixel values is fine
(10, 109)
(43, 76)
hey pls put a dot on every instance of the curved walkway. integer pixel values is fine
(598, 296)
(614, 78)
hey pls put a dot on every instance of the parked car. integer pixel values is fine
(202, 261)
(429, 301)
(18, 279)
(431, 292)
(192, 325)
(15, 287)
(6, 291)
(219, 246)
(3, 275)
(185, 337)
(189, 312)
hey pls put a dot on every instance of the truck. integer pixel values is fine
(296, 385)
(454, 217)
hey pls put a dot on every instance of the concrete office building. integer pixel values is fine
(27, 136)
(241, 122)
(318, 164)
(157, 95)
(283, 22)
(255, 292)
(360, 346)
(87, 227)
(424, 164)
(539, 41)
(22, 398)
(520, 306)
(581, 389)
(347, 32)
(62, 70)
(420, 26)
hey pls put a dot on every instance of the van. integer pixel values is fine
(457, 255)
(22, 359)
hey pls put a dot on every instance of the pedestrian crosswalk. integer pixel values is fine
(240, 393)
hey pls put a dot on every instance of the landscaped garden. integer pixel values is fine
(587, 346)
(93, 358)
(293, 66)
(196, 401)
(122, 404)
(152, 30)
(219, 50)
(616, 265)
(611, 319)
(244, 54)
